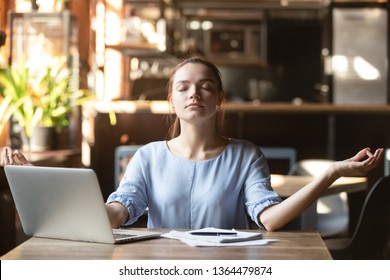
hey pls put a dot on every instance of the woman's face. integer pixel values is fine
(195, 95)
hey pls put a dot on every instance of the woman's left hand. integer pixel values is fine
(360, 164)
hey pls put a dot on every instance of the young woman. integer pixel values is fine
(199, 178)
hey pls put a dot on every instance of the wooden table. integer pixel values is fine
(287, 185)
(290, 246)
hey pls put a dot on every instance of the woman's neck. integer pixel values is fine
(198, 144)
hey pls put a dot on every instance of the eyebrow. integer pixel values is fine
(202, 80)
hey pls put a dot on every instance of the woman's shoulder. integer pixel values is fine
(242, 144)
(244, 147)
(152, 147)
(148, 152)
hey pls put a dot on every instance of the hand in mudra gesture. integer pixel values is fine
(12, 157)
(360, 164)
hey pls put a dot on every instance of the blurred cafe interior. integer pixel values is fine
(308, 76)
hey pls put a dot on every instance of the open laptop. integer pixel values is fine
(65, 203)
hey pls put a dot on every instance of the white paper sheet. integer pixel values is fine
(240, 238)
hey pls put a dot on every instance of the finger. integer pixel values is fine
(360, 155)
(369, 163)
(379, 153)
(370, 159)
(8, 156)
(377, 156)
(20, 157)
(2, 160)
(18, 154)
(373, 159)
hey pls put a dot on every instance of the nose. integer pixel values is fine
(194, 92)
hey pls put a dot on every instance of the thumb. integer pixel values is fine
(21, 158)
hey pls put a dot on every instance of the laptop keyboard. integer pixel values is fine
(122, 235)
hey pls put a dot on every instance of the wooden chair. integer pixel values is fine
(371, 236)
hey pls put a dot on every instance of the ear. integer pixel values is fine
(221, 97)
(170, 100)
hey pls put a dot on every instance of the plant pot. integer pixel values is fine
(42, 139)
(62, 138)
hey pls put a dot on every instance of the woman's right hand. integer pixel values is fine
(117, 213)
(12, 157)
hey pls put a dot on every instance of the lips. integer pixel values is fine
(194, 105)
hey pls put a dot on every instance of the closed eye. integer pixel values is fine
(181, 87)
(208, 85)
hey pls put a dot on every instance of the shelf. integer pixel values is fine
(133, 46)
(144, 50)
(137, 49)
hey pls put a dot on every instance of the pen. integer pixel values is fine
(212, 233)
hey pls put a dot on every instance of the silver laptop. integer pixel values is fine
(64, 203)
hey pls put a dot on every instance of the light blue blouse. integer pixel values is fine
(192, 194)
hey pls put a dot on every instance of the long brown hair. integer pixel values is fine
(174, 129)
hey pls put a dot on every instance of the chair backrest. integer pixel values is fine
(278, 153)
(123, 155)
(372, 233)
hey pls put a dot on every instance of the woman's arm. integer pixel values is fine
(279, 215)
(117, 213)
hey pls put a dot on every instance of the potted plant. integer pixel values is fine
(38, 101)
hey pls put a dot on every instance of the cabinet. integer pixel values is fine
(37, 38)
(131, 42)
(143, 26)
(40, 40)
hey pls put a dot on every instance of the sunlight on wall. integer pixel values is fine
(98, 26)
(364, 69)
(359, 66)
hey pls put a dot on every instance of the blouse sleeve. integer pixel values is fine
(132, 190)
(258, 191)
